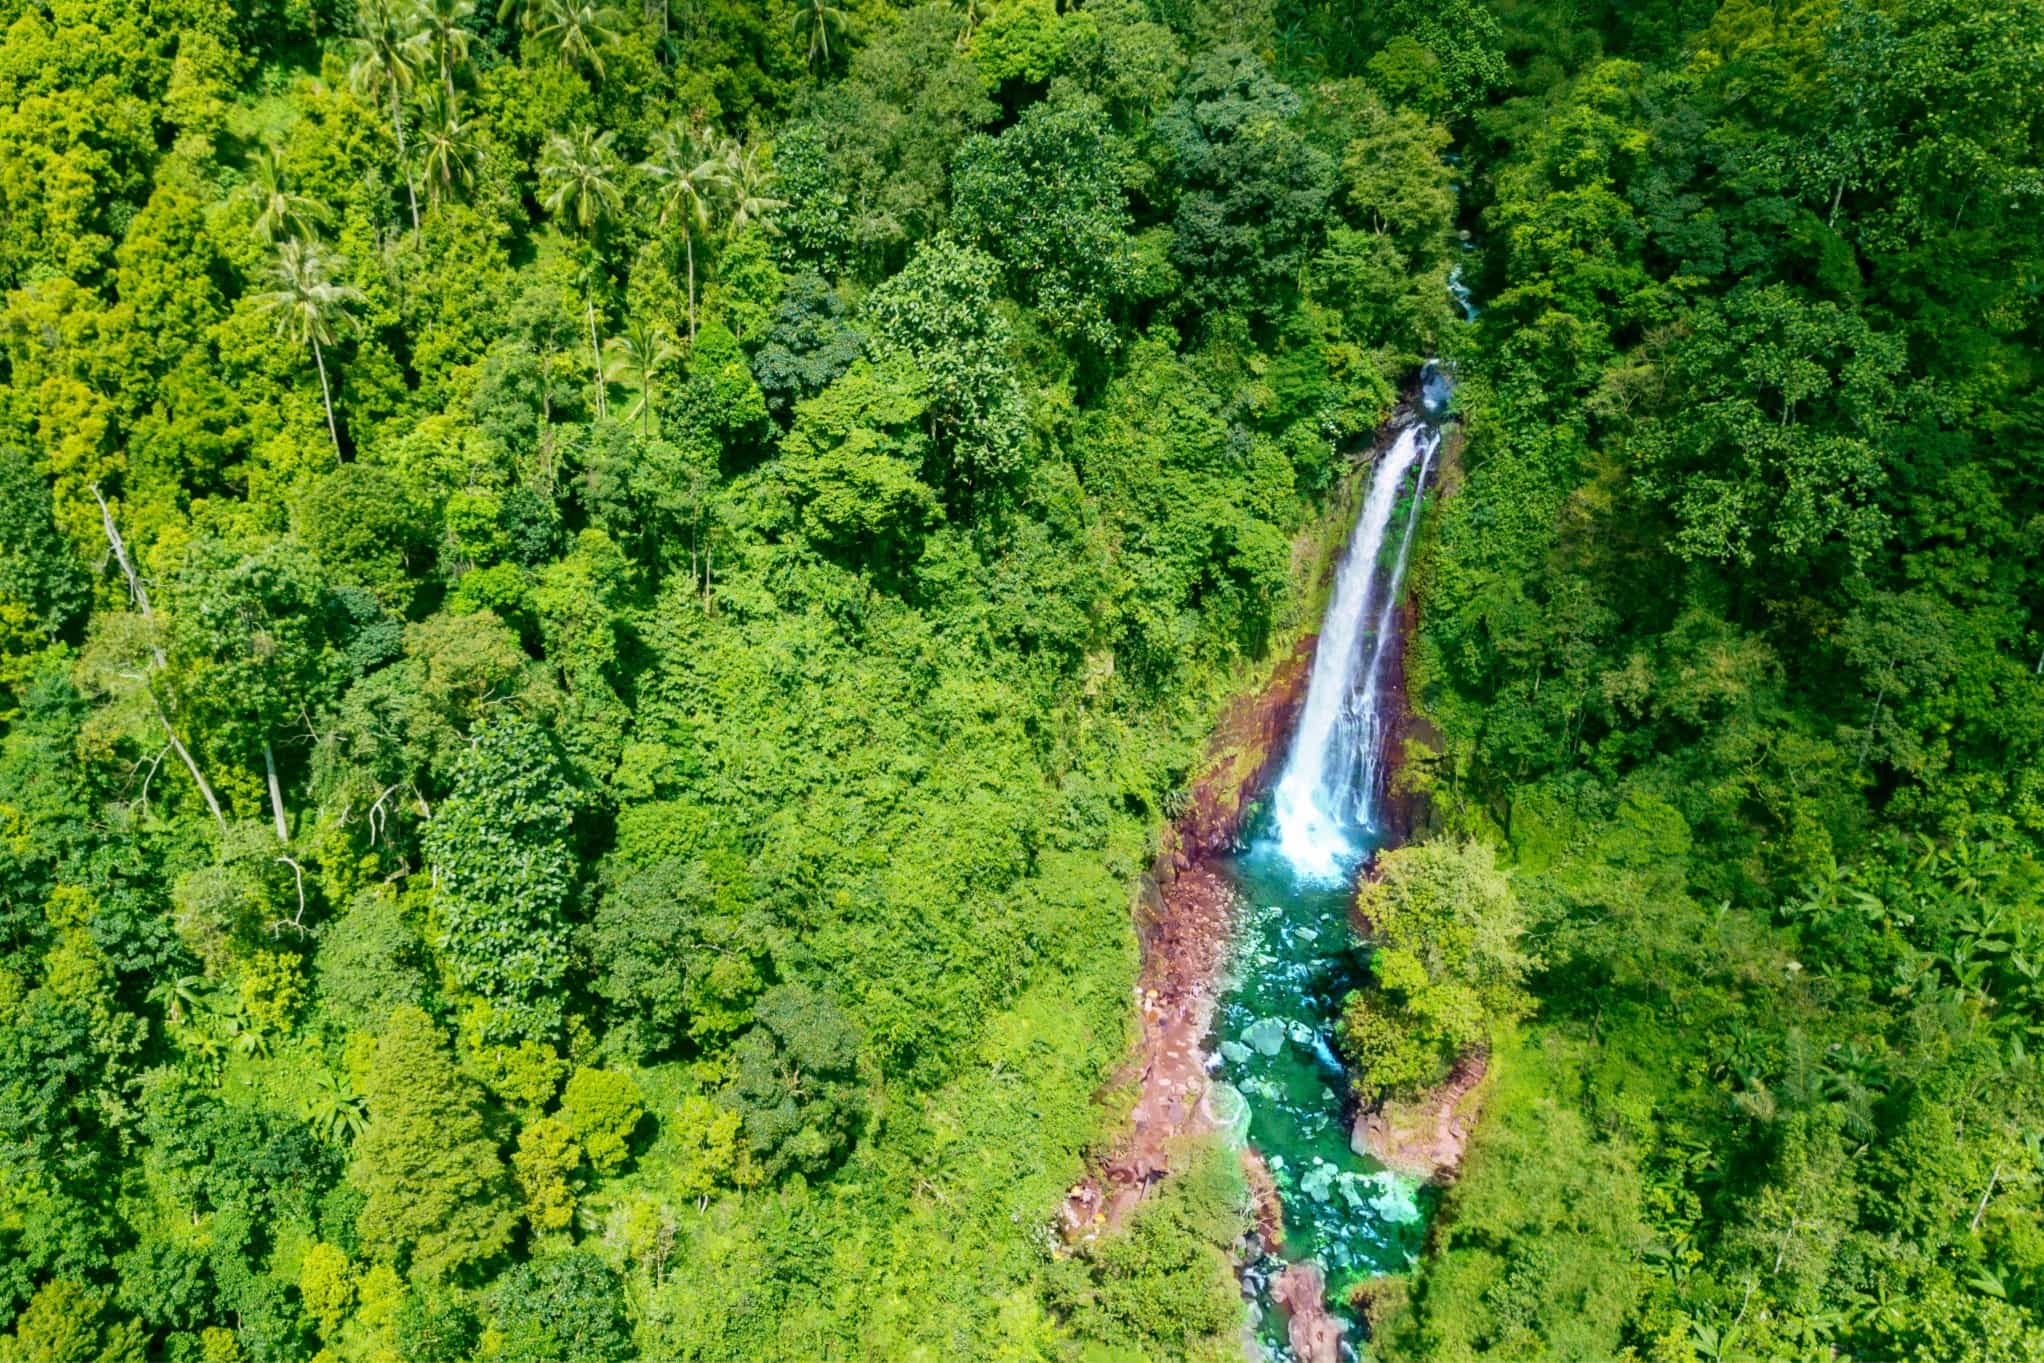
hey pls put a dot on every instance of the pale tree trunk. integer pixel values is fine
(326, 395)
(546, 419)
(1973, 1226)
(140, 595)
(690, 238)
(276, 794)
(191, 764)
(397, 123)
(136, 591)
(596, 358)
(1873, 726)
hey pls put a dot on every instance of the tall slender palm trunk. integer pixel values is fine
(689, 238)
(326, 395)
(596, 358)
(397, 123)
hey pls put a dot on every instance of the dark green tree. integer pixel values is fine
(505, 867)
(565, 1309)
(1252, 190)
(797, 1082)
(1045, 198)
(941, 313)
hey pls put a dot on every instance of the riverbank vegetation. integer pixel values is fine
(599, 608)
(1732, 634)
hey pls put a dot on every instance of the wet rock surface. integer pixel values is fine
(1314, 1332)
(1266, 1210)
(1425, 1137)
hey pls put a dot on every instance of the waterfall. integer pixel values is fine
(1279, 1080)
(1327, 795)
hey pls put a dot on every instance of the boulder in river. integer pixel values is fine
(1314, 1332)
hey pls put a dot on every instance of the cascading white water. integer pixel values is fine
(1327, 794)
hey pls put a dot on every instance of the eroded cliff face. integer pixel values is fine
(1184, 913)
(1424, 1138)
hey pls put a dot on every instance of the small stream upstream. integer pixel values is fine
(1278, 1082)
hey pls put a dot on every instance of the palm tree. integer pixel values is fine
(635, 359)
(310, 308)
(752, 175)
(578, 177)
(178, 993)
(576, 30)
(446, 146)
(820, 20)
(385, 68)
(439, 30)
(280, 210)
(333, 1107)
(972, 11)
(692, 181)
(578, 181)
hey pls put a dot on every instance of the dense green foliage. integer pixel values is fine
(599, 610)
(1732, 635)
(1445, 966)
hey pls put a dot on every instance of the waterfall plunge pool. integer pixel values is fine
(1280, 1086)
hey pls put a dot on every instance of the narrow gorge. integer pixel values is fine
(1280, 1088)
(1249, 947)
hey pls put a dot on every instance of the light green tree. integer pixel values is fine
(602, 1107)
(326, 1284)
(65, 1322)
(435, 1185)
(941, 313)
(544, 1162)
(708, 1135)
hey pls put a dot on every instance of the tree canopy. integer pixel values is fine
(604, 608)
